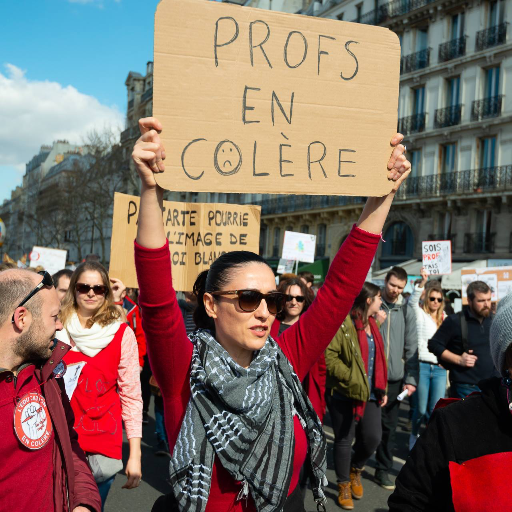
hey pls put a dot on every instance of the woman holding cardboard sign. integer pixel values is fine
(238, 422)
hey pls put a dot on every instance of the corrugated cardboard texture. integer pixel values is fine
(224, 81)
(198, 233)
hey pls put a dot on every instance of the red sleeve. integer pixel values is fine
(169, 349)
(139, 335)
(305, 341)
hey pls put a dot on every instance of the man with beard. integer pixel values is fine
(462, 342)
(44, 463)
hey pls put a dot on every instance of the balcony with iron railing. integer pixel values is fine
(444, 236)
(391, 10)
(492, 36)
(477, 243)
(412, 124)
(449, 116)
(461, 183)
(452, 49)
(415, 61)
(486, 108)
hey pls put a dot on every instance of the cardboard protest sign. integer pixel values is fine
(198, 233)
(299, 247)
(266, 102)
(52, 260)
(437, 257)
(499, 280)
(285, 266)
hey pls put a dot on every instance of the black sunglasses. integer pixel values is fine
(250, 300)
(432, 299)
(47, 281)
(98, 289)
(298, 298)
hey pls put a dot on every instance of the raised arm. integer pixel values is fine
(168, 346)
(304, 342)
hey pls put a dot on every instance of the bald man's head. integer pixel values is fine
(15, 285)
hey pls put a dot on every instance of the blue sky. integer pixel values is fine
(58, 51)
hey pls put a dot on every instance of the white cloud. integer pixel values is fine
(41, 112)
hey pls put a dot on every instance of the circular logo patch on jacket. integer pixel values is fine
(32, 423)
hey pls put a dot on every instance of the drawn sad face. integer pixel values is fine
(227, 158)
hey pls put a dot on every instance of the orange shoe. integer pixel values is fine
(345, 496)
(356, 484)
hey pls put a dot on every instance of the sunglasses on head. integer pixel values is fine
(432, 299)
(47, 281)
(98, 289)
(250, 300)
(298, 298)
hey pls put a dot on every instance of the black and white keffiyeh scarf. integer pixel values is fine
(244, 416)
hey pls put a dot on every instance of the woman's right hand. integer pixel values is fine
(424, 277)
(149, 153)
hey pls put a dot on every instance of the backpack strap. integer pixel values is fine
(463, 331)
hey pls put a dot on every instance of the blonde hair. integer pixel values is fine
(426, 303)
(106, 314)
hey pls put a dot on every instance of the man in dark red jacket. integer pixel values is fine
(44, 467)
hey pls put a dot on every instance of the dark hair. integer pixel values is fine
(397, 272)
(64, 272)
(304, 290)
(308, 276)
(218, 276)
(94, 258)
(476, 286)
(361, 306)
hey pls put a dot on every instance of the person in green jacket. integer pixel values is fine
(356, 391)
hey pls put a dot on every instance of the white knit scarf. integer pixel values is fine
(88, 341)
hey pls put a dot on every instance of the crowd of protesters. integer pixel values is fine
(241, 371)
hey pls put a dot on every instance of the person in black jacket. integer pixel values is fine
(462, 342)
(463, 462)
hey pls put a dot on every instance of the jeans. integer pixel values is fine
(431, 388)
(159, 419)
(104, 487)
(384, 453)
(367, 432)
(462, 390)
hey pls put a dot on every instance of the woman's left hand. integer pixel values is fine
(398, 165)
(118, 289)
(133, 472)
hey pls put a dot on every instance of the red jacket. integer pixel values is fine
(134, 320)
(170, 350)
(59, 470)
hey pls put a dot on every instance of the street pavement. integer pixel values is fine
(155, 471)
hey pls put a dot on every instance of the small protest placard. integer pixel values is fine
(285, 266)
(499, 280)
(52, 260)
(198, 233)
(299, 247)
(437, 257)
(264, 101)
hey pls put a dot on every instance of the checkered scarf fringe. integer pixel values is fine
(244, 416)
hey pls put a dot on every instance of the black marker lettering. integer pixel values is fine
(321, 52)
(215, 40)
(347, 44)
(183, 160)
(340, 161)
(244, 104)
(132, 210)
(319, 161)
(254, 173)
(260, 45)
(305, 41)
(288, 119)
(282, 161)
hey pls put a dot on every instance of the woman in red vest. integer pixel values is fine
(238, 421)
(102, 375)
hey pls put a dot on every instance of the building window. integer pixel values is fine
(457, 28)
(415, 156)
(448, 158)
(289, 228)
(263, 239)
(421, 39)
(277, 240)
(399, 241)
(487, 152)
(492, 82)
(340, 16)
(359, 13)
(419, 100)
(304, 229)
(320, 240)
(496, 13)
(453, 91)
